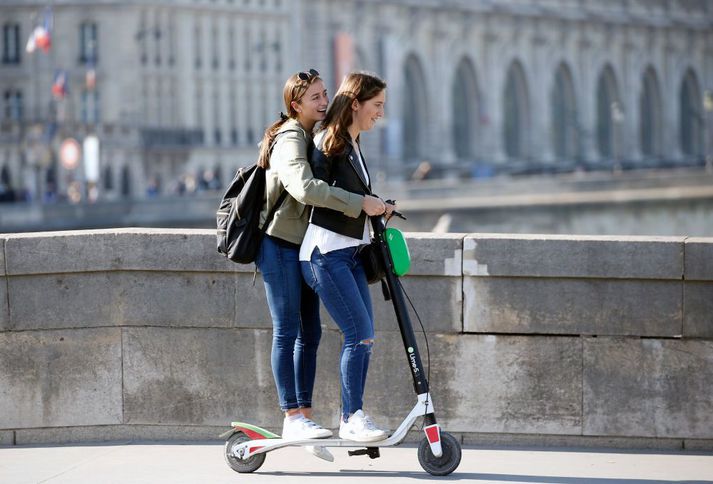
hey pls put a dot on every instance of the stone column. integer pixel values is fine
(440, 126)
(493, 87)
(185, 70)
(224, 98)
(241, 101)
(707, 84)
(207, 79)
(540, 141)
(631, 89)
(671, 85)
(392, 54)
(587, 98)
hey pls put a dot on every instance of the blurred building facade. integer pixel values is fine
(478, 87)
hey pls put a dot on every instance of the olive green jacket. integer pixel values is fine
(290, 170)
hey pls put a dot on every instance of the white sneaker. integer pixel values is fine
(360, 428)
(297, 427)
(320, 451)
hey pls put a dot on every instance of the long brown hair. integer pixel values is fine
(359, 86)
(295, 88)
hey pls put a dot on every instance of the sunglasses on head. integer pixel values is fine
(306, 76)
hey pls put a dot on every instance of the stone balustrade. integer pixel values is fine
(560, 340)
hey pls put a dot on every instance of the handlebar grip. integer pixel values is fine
(396, 213)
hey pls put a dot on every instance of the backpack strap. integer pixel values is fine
(283, 194)
(274, 208)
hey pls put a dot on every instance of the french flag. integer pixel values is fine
(41, 36)
(59, 85)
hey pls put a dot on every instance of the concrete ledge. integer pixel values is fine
(2, 257)
(485, 384)
(4, 306)
(572, 306)
(705, 445)
(648, 388)
(438, 301)
(115, 250)
(698, 309)
(573, 256)
(511, 384)
(435, 254)
(114, 433)
(60, 378)
(166, 342)
(7, 437)
(198, 377)
(581, 441)
(699, 259)
(135, 298)
(177, 250)
(133, 433)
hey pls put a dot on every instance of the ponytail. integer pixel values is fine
(263, 159)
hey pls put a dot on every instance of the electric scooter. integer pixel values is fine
(439, 453)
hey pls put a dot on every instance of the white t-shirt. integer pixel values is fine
(325, 239)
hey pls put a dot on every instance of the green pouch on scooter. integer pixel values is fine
(399, 251)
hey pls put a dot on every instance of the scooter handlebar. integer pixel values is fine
(396, 213)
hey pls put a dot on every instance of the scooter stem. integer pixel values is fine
(420, 382)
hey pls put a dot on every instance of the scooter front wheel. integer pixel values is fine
(241, 465)
(447, 462)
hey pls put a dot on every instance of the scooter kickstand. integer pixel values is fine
(372, 452)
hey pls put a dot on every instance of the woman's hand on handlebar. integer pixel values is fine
(390, 208)
(373, 205)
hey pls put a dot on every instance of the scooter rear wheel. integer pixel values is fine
(447, 462)
(241, 465)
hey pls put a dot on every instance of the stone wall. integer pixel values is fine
(560, 340)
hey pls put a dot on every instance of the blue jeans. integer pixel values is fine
(338, 277)
(296, 328)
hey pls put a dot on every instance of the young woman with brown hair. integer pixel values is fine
(330, 250)
(294, 307)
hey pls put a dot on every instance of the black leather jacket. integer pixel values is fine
(341, 171)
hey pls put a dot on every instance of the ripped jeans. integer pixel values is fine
(339, 280)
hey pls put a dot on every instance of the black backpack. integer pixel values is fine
(238, 217)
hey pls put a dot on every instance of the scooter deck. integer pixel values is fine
(264, 441)
(328, 442)
(276, 443)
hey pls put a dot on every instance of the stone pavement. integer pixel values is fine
(202, 462)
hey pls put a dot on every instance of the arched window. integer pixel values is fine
(464, 103)
(11, 47)
(516, 123)
(13, 108)
(691, 116)
(5, 177)
(214, 46)
(125, 181)
(88, 46)
(610, 114)
(565, 131)
(197, 44)
(247, 44)
(90, 106)
(414, 109)
(6, 192)
(108, 178)
(650, 115)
